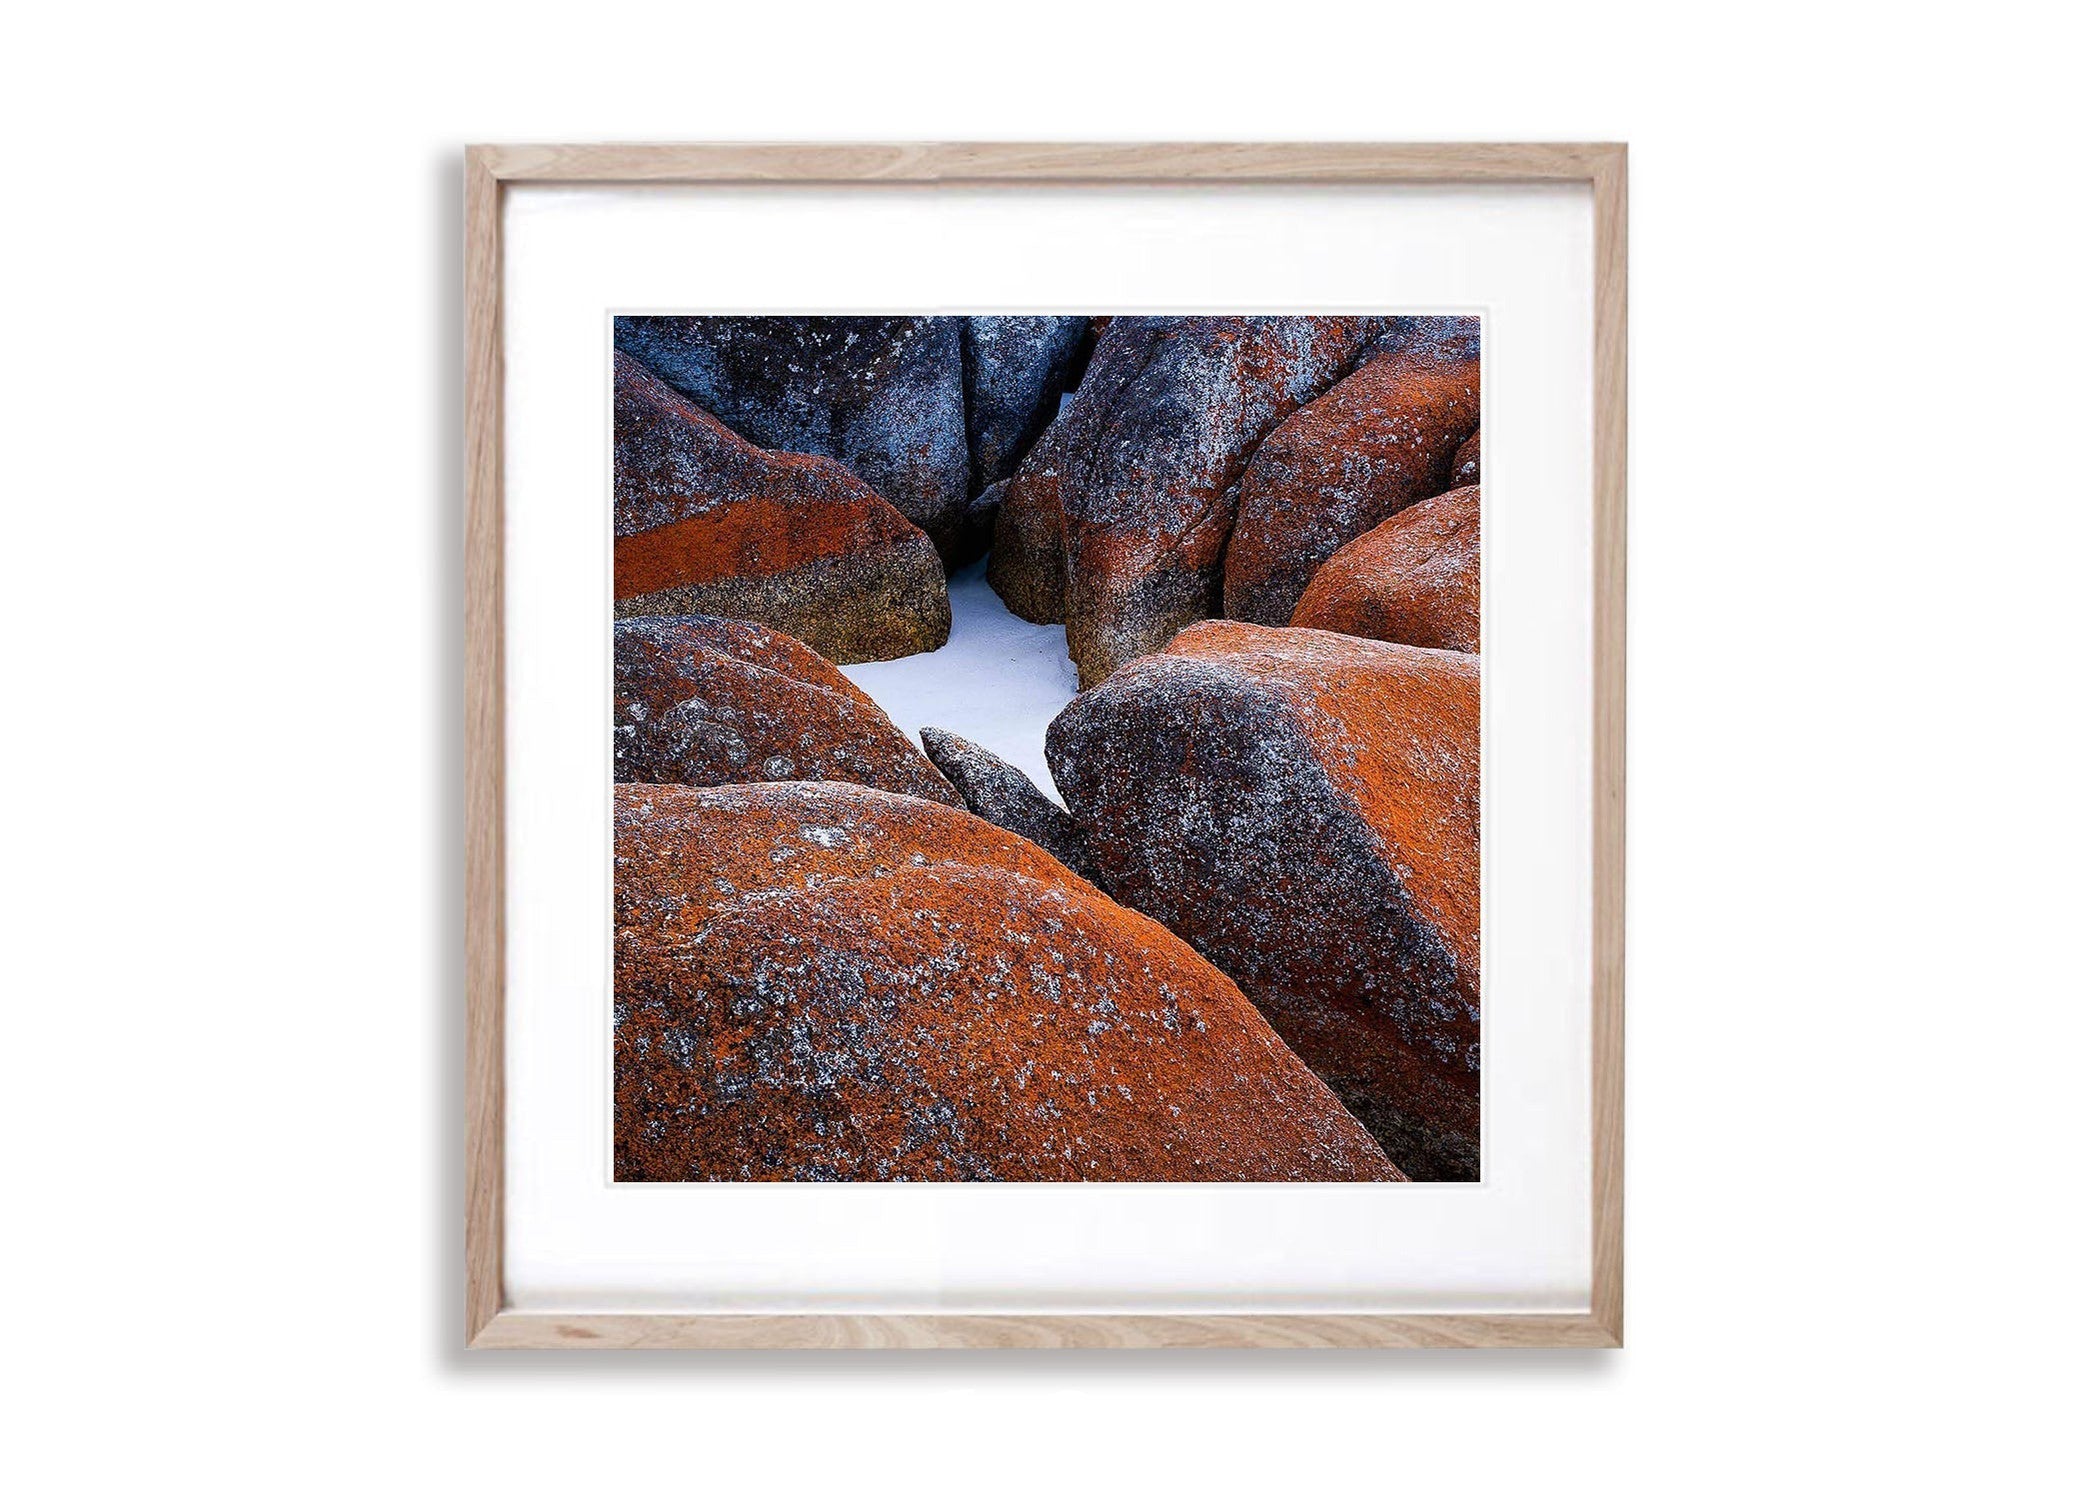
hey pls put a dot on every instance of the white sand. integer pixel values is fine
(999, 680)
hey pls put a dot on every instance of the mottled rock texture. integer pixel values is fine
(1414, 579)
(1379, 441)
(705, 523)
(1013, 371)
(1304, 808)
(1004, 796)
(1027, 545)
(883, 396)
(831, 983)
(707, 702)
(1465, 464)
(1116, 523)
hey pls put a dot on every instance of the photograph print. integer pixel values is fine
(1046, 748)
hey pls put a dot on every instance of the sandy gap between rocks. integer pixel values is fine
(998, 681)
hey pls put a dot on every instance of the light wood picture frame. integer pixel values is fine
(490, 170)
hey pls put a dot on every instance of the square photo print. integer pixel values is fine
(1046, 748)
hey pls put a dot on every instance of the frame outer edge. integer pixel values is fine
(487, 168)
(484, 772)
(1608, 811)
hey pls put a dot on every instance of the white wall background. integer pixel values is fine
(1863, 737)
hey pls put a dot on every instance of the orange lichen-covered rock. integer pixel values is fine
(1414, 580)
(1379, 441)
(705, 702)
(705, 523)
(1304, 808)
(830, 983)
(1116, 522)
(881, 395)
(1465, 464)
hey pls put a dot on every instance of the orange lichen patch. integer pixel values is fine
(1303, 807)
(758, 536)
(1379, 441)
(830, 983)
(705, 702)
(1414, 580)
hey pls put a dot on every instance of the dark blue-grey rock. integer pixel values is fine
(1003, 795)
(1014, 369)
(881, 395)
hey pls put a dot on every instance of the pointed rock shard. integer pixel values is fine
(1304, 809)
(1116, 522)
(1379, 441)
(881, 395)
(831, 983)
(1413, 580)
(709, 702)
(980, 521)
(1003, 795)
(705, 523)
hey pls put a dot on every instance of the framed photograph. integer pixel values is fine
(1045, 745)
